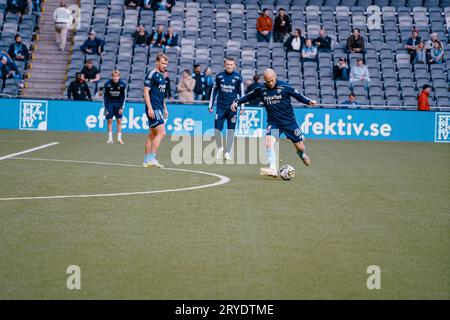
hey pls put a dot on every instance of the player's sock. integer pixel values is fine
(119, 136)
(300, 154)
(110, 135)
(230, 139)
(146, 157)
(151, 156)
(272, 157)
(218, 137)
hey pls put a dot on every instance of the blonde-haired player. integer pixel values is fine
(156, 110)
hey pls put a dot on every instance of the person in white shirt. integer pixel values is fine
(63, 18)
(295, 42)
(359, 73)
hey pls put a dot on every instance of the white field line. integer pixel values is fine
(28, 150)
(222, 180)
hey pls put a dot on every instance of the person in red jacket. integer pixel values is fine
(264, 26)
(422, 101)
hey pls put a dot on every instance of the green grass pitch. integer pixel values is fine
(359, 204)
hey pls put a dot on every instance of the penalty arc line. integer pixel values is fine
(28, 150)
(223, 180)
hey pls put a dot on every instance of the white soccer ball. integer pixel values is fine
(287, 172)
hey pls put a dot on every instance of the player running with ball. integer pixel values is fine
(276, 96)
(156, 110)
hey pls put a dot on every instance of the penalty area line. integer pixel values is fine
(222, 180)
(28, 151)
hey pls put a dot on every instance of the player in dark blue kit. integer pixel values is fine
(276, 96)
(156, 110)
(229, 85)
(113, 100)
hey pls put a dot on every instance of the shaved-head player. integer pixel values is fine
(276, 97)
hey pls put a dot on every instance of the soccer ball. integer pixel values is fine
(287, 172)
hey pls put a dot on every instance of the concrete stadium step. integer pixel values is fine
(46, 78)
(43, 67)
(37, 93)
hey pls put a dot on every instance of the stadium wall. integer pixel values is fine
(354, 124)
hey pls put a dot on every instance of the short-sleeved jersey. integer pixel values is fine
(114, 92)
(227, 88)
(277, 102)
(155, 81)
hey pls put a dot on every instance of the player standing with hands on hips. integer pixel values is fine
(228, 86)
(276, 96)
(114, 100)
(156, 110)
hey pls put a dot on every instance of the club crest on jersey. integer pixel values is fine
(33, 115)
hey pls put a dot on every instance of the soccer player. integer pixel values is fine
(156, 110)
(276, 96)
(229, 85)
(114, 100)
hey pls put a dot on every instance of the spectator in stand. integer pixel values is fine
(423, 104)
(36, 9)
(323, 42)
(171, 38)
(282, 26)
(17, 6)
(78, 89)
(209, 82)
(163, 5)
(9, 69)
(168, 87)
(359, 73)
(146, 4)
(99, 95)
(421, 54)
(141, 37)
(309, 52)
(18, 51)
(437, 53)
(355, 43)
(63, 18)
(429, 44)
(252, 87)
(341, 70)
(200, 83)
(351, 102)
(93, 44)
(264, 26)
(157, 39)
(90, 72)
(132, 4)
(185, 87)
(295, 42)
(412, 45)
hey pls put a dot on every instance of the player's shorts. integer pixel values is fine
(221, 116)
(159, 118)
(112, 110)
(292, 132)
